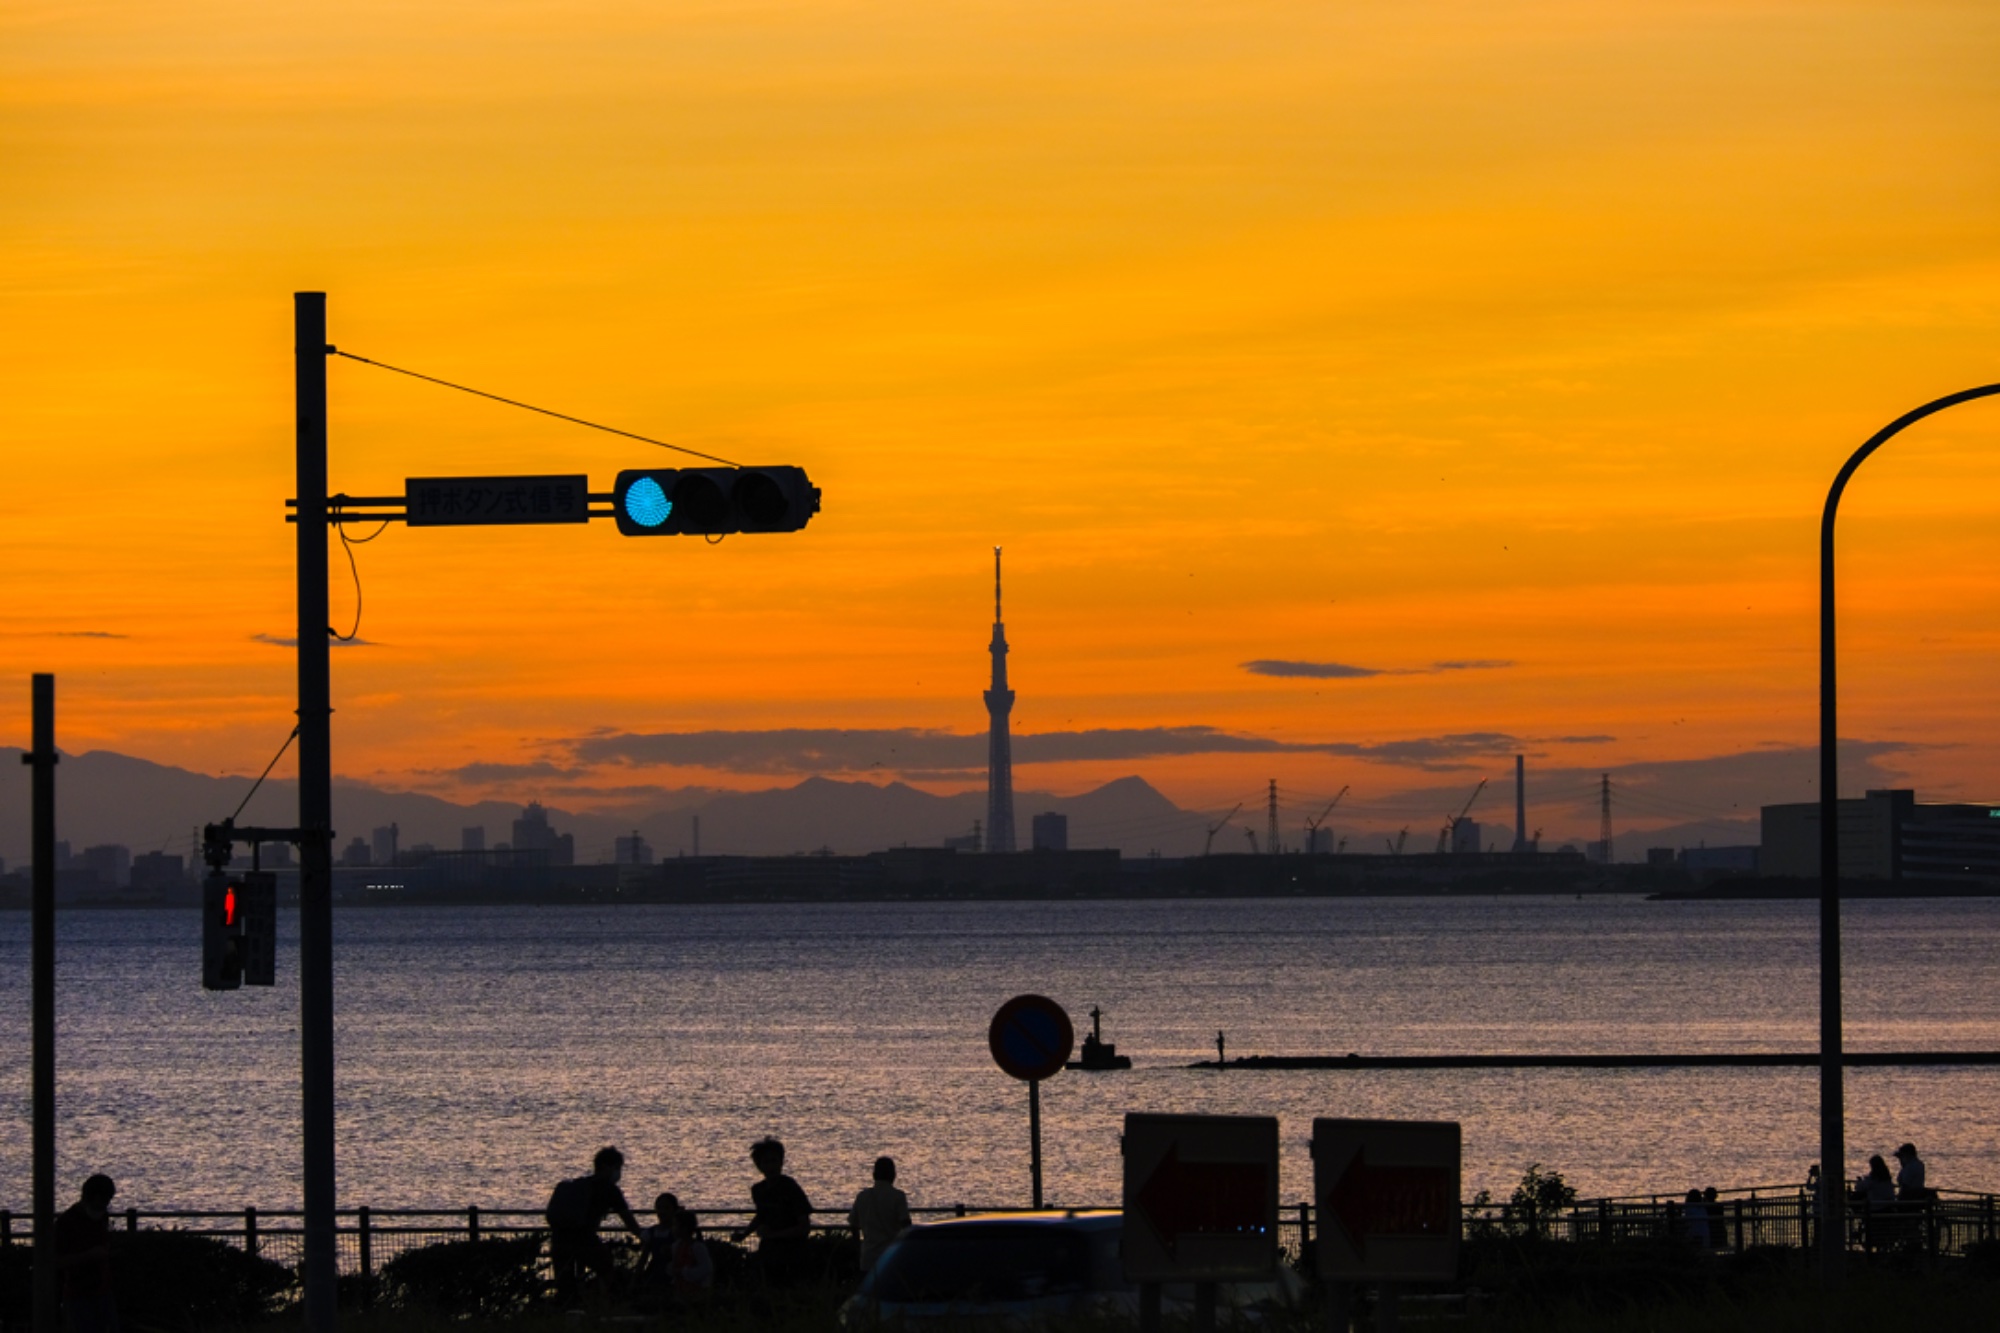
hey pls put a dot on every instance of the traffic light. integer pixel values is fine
(257, 916)
(711, 501)
(221, 933)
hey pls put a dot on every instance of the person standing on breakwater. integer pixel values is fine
(783, 1218)
(575, 1209)
(880, 1213)
(83, 1259)
(1910, 1187)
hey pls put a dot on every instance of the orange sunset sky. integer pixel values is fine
(1501, 351)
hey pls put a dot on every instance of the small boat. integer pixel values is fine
(1098, 1054)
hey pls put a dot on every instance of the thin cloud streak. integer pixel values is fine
(912, 751)
(1284, 668)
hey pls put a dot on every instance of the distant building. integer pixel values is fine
(632, 851)
(1320, 842)
(472, 839)
(1465, 835)
(1050, 832)
(158, 872)
(110, 862)
(385, 844)
(274, 855)
(533, 834)
(1660, 856)
(1888, 835)
(1719, 860)
(356, 855)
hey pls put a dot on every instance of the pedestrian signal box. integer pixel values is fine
(712, 501)
(239, 930)
(221, 933)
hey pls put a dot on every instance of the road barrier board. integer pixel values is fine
(1201, 1198)
(1387, 1199)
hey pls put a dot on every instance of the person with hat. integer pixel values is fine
(1910, 1177)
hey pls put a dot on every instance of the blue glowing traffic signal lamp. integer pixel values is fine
(221, 933)
(712, 501)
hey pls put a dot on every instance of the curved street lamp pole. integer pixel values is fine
(1832, 1105)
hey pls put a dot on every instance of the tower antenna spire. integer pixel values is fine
(1000, 752)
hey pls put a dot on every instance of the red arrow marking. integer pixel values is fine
(1391, 1201)
(1205, 1198)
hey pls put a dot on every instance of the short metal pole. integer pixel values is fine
(1035, 1135)
(1388, 1311)
(250, 1232)
(1204, 1307)
(1339, 1307)
(1149, 1307)
(42, 836)
(365, 1235)
(472, 1223)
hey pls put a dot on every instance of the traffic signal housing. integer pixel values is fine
(239, 930)
(257, 915)
(221, 933)
(712, 501)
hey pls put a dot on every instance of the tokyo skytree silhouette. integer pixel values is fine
(999, 747)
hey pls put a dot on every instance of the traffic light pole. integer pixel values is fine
(315, 817)
(42, 837)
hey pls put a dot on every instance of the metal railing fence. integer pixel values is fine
(1738, 1220)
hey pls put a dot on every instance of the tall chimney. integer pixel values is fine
(1521, 803)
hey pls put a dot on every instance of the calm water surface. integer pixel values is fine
(485, 1054)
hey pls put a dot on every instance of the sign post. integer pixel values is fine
(1387, 1193)
(1201, 1205)
(1030, 1037)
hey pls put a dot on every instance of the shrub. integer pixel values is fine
(1541, 1197)
(179, 1280)
(497, 1275)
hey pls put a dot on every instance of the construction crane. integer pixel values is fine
(1396, 847)
(1312, 825)
(1452, 821)
(1214, 829)
(1251, 834)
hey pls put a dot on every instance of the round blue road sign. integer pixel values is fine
(1030, 1037)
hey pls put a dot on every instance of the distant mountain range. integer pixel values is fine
(104, 797)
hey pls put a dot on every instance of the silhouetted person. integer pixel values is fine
(658, 1244)
(1878, 1187)
(575, 1210)
(1695, 1211)
(880, 1213)
(1910, 1187)
(83, 1258)
(783, 1218)
(689, 1265)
